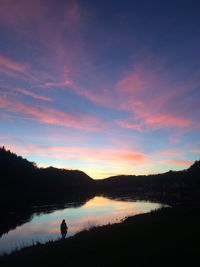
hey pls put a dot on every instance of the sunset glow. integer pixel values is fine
(89, 85)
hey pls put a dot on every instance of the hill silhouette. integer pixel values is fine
(25, 188)
(23, 182)
(171, 187)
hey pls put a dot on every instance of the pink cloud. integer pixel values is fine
(33, 95)
(61, 36)
(154, 99)
(137, 81)
(167, 120)
(196, 150)
(157, 121)
(144, 91)
(10, 64)
(129, 125)
(172, 152)
(67, 57)
(133, 156)
(55, 117)
(100, 98)
(82, 153)
(3, 101)
(17, 149)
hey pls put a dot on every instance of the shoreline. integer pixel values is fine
(176, 226)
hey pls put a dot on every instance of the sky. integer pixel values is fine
(106, 87)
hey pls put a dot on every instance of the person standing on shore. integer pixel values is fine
(63, 229)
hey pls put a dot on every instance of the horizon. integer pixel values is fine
(105, 88)
(122, 174)
(77, 169)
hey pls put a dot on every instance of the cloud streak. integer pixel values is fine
(33, 95)
(154, 99)
(13, 65)
(83, 153)
(53, 116)
(186, 163)
(172, 152)
(128, 125)
(167, 120)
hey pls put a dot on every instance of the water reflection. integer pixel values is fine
(46, 226)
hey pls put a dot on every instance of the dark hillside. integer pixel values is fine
(24, 182)
(172, 186)
(23, 185)
(21, 181)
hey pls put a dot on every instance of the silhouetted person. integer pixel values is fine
(63, 229)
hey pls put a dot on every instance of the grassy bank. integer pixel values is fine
(168, 237)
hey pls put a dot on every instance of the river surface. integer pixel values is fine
(45, 226)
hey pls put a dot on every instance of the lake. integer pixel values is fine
(45, 226)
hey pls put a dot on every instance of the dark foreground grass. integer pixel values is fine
(168, 237)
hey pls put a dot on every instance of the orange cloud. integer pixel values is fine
(124, 156)
(33, 95)
(178, 162)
